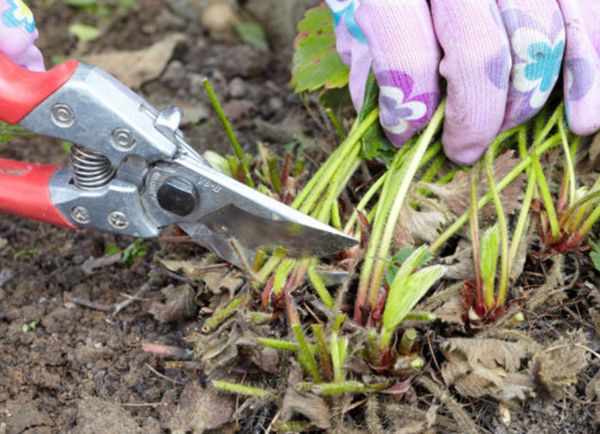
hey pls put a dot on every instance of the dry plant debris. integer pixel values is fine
(486, 367)
(555, 368)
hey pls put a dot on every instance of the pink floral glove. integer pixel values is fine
(582, 64)
(18, 34)
(501, 60)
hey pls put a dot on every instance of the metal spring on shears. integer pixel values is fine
(90, 169)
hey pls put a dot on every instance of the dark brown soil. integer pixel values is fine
(69, 368)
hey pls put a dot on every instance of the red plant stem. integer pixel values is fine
(474, 226)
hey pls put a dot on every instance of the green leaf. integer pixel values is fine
(80, 3)
(595, 255)
(399, 258)
(133, 251)
(374, 143)
(405, 292)
(371, 97)
(252, 34)
(113, 249)
(316, 63)
(83, 32)
(490, 242)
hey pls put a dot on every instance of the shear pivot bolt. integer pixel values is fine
(178, 196)
(118, 220)
(122, 139)
(62, 115)
(80, 215)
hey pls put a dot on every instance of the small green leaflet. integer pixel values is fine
(83, 32)
(399, 258)
(252, 34)
(490, 242)
(375, 144)
(316, 63)
(595, 255)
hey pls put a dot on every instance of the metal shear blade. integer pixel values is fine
(255, 221)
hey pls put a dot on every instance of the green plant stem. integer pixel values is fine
(569, 166)
(336, 218)
(589, 198)
(225, 312)
(311, 193)
(324, 358)
(294, 426)
(306, 353)
(338, 375)
(522, 221)
(270, 265)
(407, 342)
(278, 344)
(327, 389)
(319, 285)
(337, 125)
(588, 224)
(502, 224)
(364, 201)
(241, 389)
(281, 274)
(481, 294)
(408, 172)
(484, 200)
(421, 316)
(337, 183)
(546, 197)
(237, 149)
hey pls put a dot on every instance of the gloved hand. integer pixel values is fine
(500, 59)
(18, 34)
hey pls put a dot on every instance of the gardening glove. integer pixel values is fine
(396, 39)
(18, 34)
(502, 58)
(582, 64)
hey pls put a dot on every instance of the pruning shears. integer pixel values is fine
(132, 172)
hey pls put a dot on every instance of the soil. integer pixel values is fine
(65, 367)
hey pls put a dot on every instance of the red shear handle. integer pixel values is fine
(22, 90)
(24, 191)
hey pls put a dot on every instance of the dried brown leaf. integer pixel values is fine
(417, 226)
(447, 305)
(310, 406)
(592, 389)
(478, 367)
(198, 410)
(456, 194)
(216, 280)
(92, 264)
(556, 367)
(459, 266)
(95, 415)
(135, 68)
(180, 304)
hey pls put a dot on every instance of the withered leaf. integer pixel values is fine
(216, 280)
(308, 405)
(135, 68)
(456, 194)
(556, 367)
(478, 367)
(417, 226)
(179, 305)
(92, 264)
(459, 266)
(199, 410)
(447, 304)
